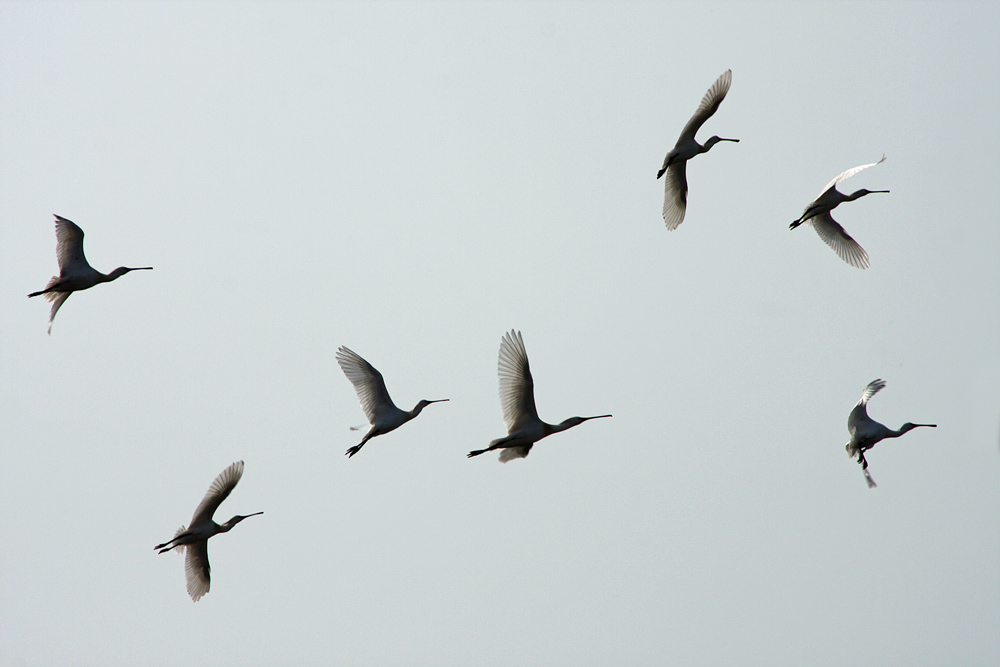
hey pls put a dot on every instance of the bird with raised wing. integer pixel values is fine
(382, 413)
(818, 215)
(866, 432)
(675, 164)
(75, 273)
(517, 399)
(193, 541)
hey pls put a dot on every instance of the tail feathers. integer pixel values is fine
(48, 295)
(51, 296)
(179, 548)
(511, 453)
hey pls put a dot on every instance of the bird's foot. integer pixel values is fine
(353, 450)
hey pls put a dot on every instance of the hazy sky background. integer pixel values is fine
(413, 180)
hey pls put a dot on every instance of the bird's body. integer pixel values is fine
(75, 273)
(517, 399)
(832, 233)
(866, 432)
(193, 541)
(687, 147)
(382, 413)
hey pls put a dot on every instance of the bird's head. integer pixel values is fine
(574, 421)
(236, 519)
(857, 194)
(424, 403)
(122, 270)
(909, 426)
(714, 140)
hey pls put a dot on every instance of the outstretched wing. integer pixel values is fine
(219, 491)
(511, 453)
(834, 236)
(859, 415)
(69, 246)
(847, 174)
(517, 391)
(197, 570)
(874, 387)
(709, 105)
(368, 383)
(675, 191)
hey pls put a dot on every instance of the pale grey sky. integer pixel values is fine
(414, 179)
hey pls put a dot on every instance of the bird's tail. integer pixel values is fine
(166, 546)
(48, 295)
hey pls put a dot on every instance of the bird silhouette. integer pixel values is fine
(818, 215)
(866, 432)
(75, 273)
(675, 164)
(517, 399)
(194, 540)
(382, 413)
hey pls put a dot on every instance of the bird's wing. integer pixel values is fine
(834, 236)
(511, 453)
(709, 105)
(57, 299)
(859, 415)
(367, 382)
(69, 246)
(874, 387)
(517, 391)
(219, 491)
(675, 194)
(847, 174)
(197, 570)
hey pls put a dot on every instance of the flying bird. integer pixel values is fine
(517, 398)
(866, 432)
(382, 413)
(195, 538)
(675, 164)
(818, 214)
(75, 273)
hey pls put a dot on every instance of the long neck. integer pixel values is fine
(555, 428)
(114, 275)
(420, 406)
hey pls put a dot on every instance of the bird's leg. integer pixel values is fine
(357, 448)
(164, 548)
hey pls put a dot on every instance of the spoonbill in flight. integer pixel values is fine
(818, 214)
(195, 538)
(75, 273)
(866, 432)
(675, 164)
(517, 398)
(382, 413)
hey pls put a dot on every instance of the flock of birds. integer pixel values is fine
(517, 396)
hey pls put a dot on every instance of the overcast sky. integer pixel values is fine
(412, 180)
